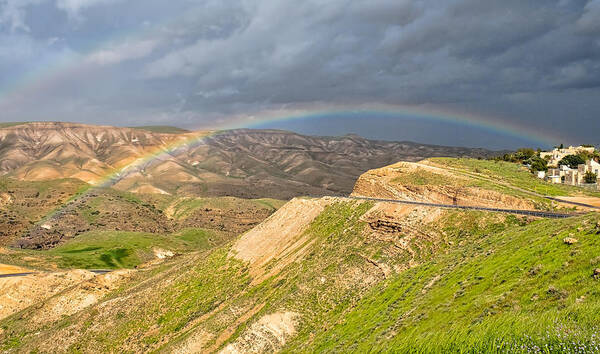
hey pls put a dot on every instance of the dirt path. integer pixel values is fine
(583, 201)
(17, 293)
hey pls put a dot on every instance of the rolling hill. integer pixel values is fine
(45, 214)
(239, 163)
(334, 274)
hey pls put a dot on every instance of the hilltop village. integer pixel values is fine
(573, 165)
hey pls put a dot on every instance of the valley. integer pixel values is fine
(335, 176)
(328, 273)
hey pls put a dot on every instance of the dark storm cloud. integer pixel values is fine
(191, 62)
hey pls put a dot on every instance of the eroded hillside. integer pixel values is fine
(244, 296)
(44, 214)
(241, 163)
(424, 183)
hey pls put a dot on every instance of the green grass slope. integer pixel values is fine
(512, 174)
(522, 289)
(11, 124)
(114, 249)
(471, 282)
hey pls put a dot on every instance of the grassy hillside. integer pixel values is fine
(114, 249)
(521, 289)
(355, 279)
(459, 181)
(182, 208)
(10, 124)
(68, 208)
(471, 281)
(513, 174)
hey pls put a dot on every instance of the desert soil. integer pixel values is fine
(586, 200)
(10, 269)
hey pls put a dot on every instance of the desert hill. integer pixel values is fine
(241, 163)
(330, 274)
(424, 182)
(45, 214)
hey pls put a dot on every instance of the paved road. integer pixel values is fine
(100, 271)
(15, 275)
(542, 214)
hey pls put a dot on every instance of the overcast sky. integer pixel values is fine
(529, 64)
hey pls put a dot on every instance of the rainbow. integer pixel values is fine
(186, 141)
(501, 126)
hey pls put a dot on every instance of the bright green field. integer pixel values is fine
(114, 249)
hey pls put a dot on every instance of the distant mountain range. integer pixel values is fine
(243, 163)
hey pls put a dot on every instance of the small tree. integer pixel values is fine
(537, 164)
(571, 160)
(524, 154)
(590, 177)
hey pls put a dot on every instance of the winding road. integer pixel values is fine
(538, 213)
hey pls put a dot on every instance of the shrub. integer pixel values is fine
(590, 177)
(524, 154)
(537, 164)
(571, 160)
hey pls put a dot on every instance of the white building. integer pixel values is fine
(556, 175)
(572, 176)
(556, 155)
